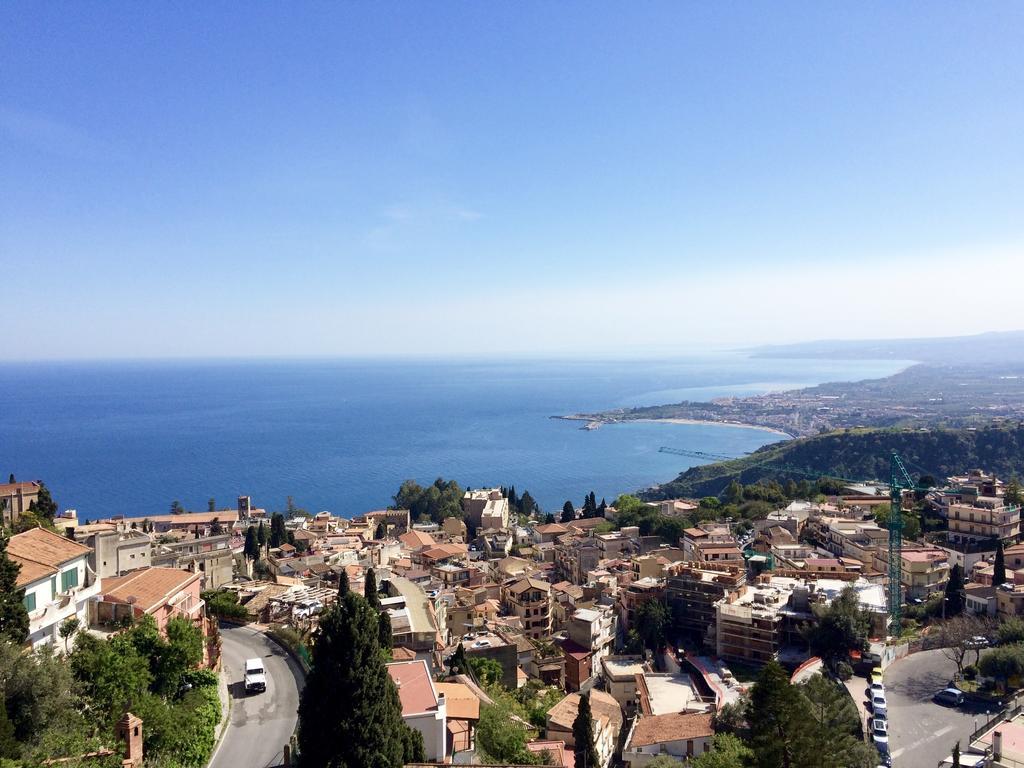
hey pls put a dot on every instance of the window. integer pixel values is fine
(68, 579)
(30, 601)
(53, 586)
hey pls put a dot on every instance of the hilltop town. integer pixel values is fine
(505, 633)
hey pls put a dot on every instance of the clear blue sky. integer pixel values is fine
(299, 178)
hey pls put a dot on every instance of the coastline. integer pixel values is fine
(593, 423)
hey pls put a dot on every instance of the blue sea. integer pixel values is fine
(131, 437)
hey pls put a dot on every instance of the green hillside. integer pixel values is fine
(861, 454)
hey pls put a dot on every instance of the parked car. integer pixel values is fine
(878, 705)
(255, 676)
(978, 641)
(950, 697)
(880, 731)
(876, 688)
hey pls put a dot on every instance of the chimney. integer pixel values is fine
(129, 729)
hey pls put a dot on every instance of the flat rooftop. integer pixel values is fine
(668, 693)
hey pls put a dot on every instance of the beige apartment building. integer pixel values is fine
(987, 518)
(530, 600)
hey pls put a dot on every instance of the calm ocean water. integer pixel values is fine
(130, 438)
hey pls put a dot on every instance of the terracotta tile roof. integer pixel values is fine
(29, 486)
(444, 550)
(604, 707)
(657, 729)
(559, 754)
(224, 517)
(415, 688)
(41, 553)
(147, 588)
(526, 584)
(550, 528)
(461, 702)
(402, 654)
(417, 539)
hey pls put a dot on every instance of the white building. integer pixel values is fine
(423, 708)
(57, 581)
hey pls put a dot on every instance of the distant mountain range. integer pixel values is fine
(982, 349)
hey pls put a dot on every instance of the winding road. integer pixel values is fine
(261, 723)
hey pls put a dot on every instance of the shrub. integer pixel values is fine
(970, 672)
(844, 671)
(224, 604)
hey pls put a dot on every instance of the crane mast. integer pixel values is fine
(899, 479)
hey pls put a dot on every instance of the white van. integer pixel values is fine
(255, 676)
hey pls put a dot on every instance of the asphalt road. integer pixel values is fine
(261, 723)
(921, 732)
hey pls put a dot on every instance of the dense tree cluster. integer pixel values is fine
(842, 626)
(441, 499)
(13, 614)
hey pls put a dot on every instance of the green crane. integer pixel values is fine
(899, 480)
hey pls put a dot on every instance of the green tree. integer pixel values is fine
(651, 621)
(583, 735)
(278, 536)
(956, 756)
(370, 589)
(999, 566)
(728, 751)
(176, 508)
(211, 505)
(842, 626)
(458, 664)
(488, 672)
(343, 586)
(112, 673)
(216, 529)
(568, 512)
(362, 728)
(954, 592)
(262, 535)
(778, 717)
(44, 507)
(10, 749)
(1002, 663)
(67, 630)
(836, 730)
(1012, 493)
(1010, 630)
(502, 732)
(527, 505)
(252, 544)
(385, 634)
(13, 613)
(549, 518)
(734, 493)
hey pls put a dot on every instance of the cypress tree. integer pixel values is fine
(370, 589)
(458, 664)
(343, 588)
(583, 734)
(956, 755)
(252, 544)
(349, 713)
(602, 507)
(568, 512)
(277, 530)
(384, 632)
(261, 535)
(13, 614)
(999, 567)
(955, 592)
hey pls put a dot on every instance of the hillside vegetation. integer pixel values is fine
(860, 454)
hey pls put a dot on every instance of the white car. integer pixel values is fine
(877, 689)
(878, 705)
(255, 676)
(879, 731)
